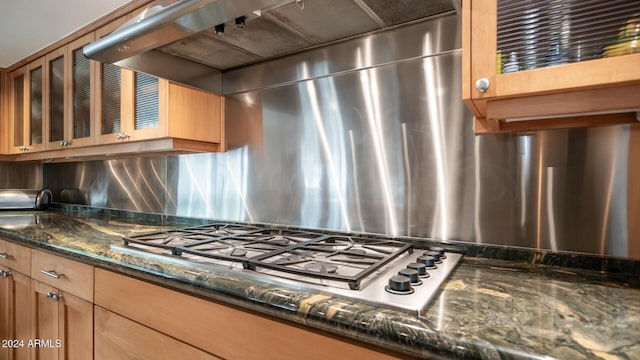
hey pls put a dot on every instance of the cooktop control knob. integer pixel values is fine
(399, 284)
(435, 254)
(439, 250)
(428, 261)
(420, 268)
(412, 275)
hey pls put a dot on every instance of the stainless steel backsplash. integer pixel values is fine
(384, 145)
(20, 175)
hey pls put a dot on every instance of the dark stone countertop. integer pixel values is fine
(492, 309)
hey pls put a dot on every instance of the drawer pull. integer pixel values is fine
(4, 256)
(51, 273)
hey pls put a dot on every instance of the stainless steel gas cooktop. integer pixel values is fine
(376, 270)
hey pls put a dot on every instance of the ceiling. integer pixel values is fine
(27, 26)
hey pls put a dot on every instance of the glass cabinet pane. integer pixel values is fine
(56, 99)
(81, 95)
(111, 105)
(18, 111)
(541, 33)
(146, 99)
(35, 108)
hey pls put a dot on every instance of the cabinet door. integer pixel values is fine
(45, 320)
(34, 125)
(108, 94)
(75, 328)
(80, 124)
(62, 322)
(55, 70)
(14, 314)
(536, 47)
(17, 110)
(145, 106)
(538, 60)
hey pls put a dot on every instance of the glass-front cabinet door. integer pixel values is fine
(149, 104)
(526, 60)
(80, 124)
(26, 126)
(108, 94)
(35, 124)
(17, 103)
(69, 113)
(55, 109)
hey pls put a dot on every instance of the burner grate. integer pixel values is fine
(329, 257)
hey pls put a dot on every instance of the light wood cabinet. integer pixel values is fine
(63, 323)
(26, 104)
(15, 290)
(61, 307)
(215, 328)
(67, 275)
(65, 107)
(70, 85)
(546, 92)
(117, 337)
(14, 314)
(154, 108)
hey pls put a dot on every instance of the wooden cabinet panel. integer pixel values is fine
(45, 320)
(73, 277)
(15, 257)
(14, 314)
(75, 328)
(216, 328)
(117, 337)
(62, 322)
(194, 114)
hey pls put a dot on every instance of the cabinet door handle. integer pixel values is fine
(4, 256)
(51, 273)
(54, 296)
(483, 84)
(6, 274)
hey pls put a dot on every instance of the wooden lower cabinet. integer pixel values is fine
(14, 315)
(61, 322)
(218, 329)
(117, 337)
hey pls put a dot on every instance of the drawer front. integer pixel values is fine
(116, 335)
(216, 328)
(15, 256)
(67, 275)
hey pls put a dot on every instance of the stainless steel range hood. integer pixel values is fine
(177, 40)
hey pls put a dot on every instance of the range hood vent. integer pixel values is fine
(177, 39)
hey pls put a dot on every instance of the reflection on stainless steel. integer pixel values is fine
(134, 184)
(16, 221)
(441, 33)
(180, 40)
(25, 199)
(387, 149)
(20, 175)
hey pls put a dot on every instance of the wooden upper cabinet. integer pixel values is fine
(73, 108)
(550, 64)
(27, 96)
(69, 117)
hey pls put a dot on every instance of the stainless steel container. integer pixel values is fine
(25, 199)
